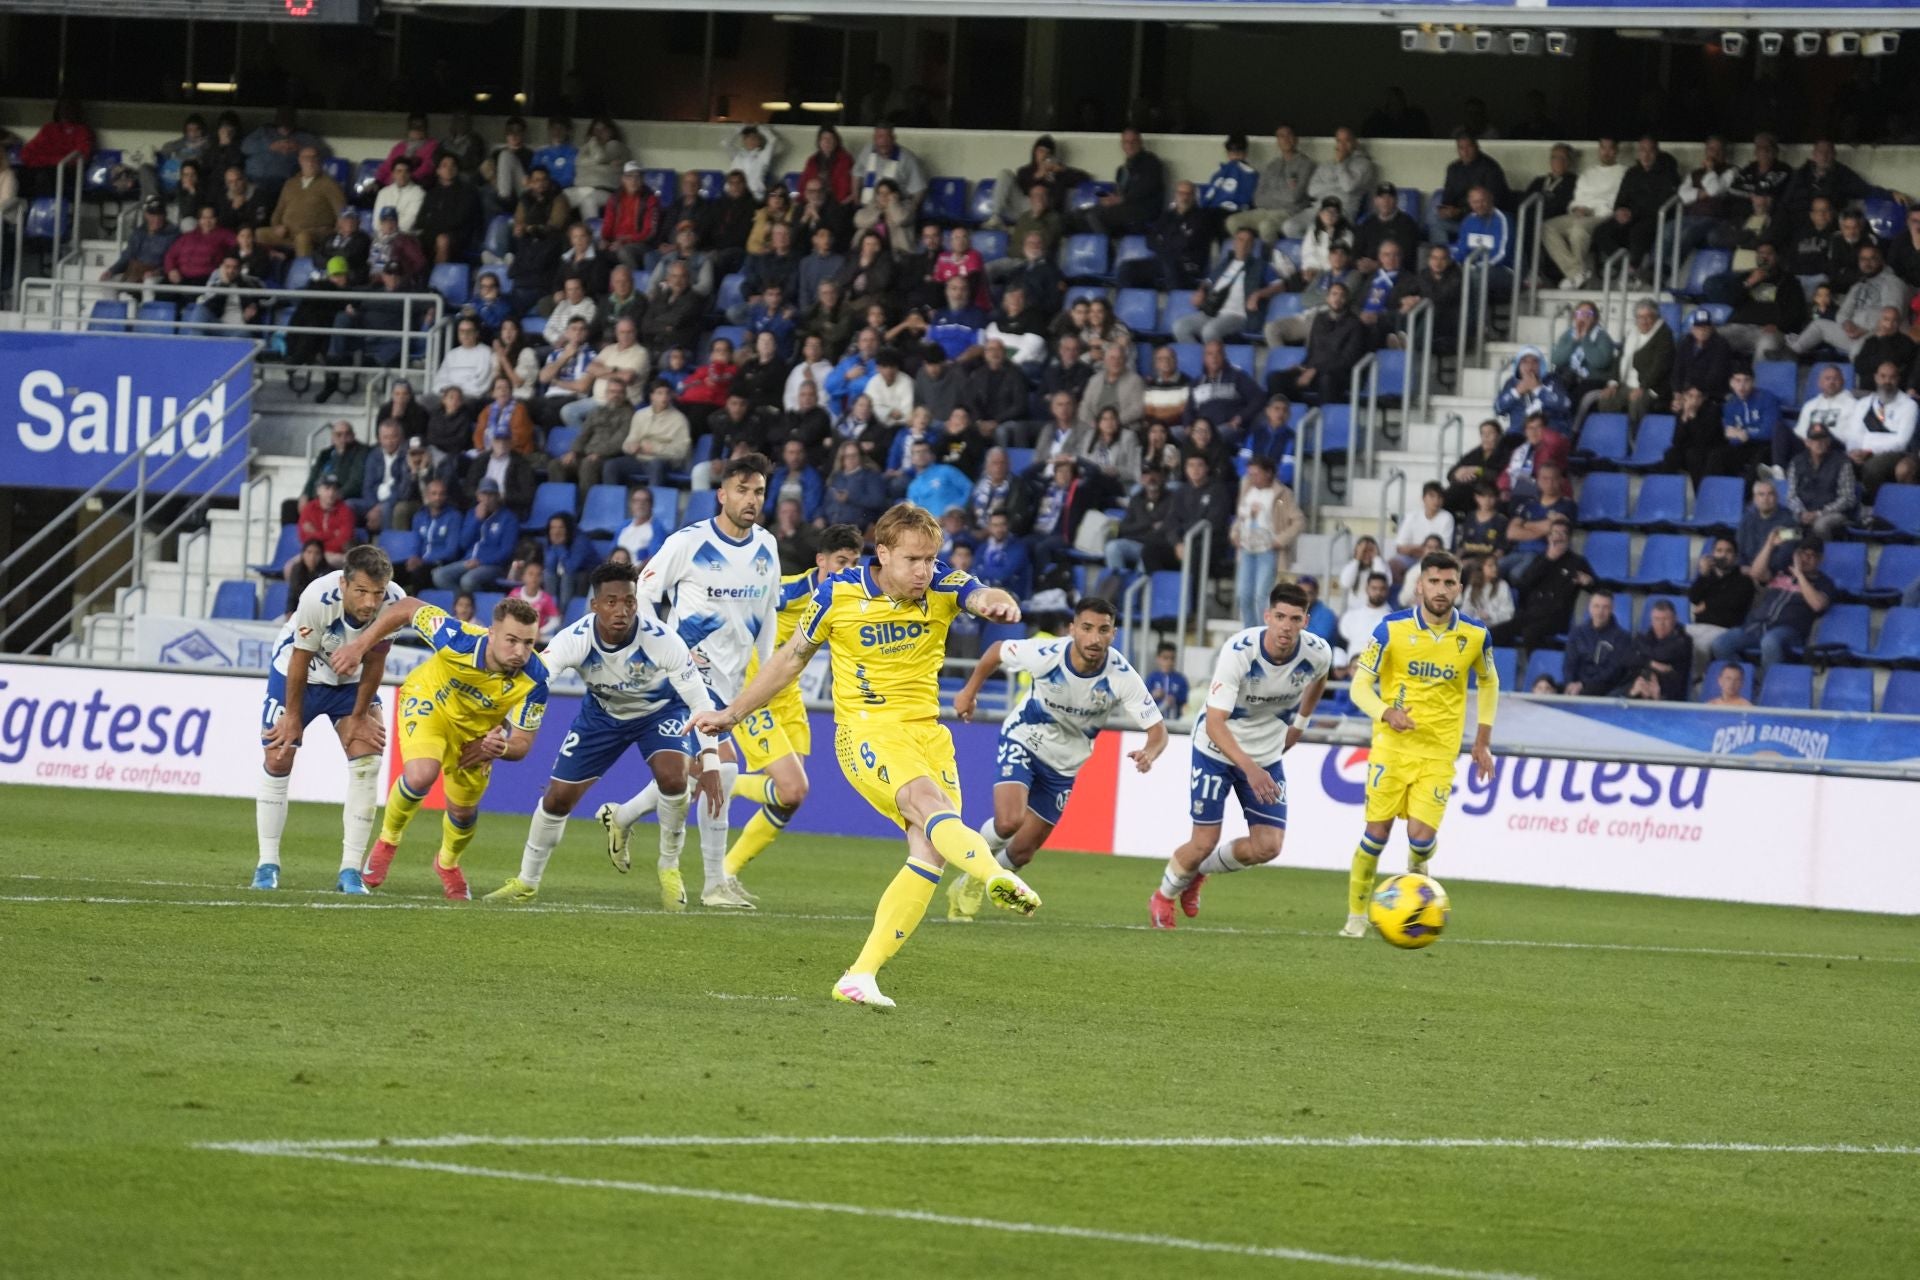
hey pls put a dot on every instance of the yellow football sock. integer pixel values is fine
(762, 829)
(901, 909)
(1366, 859)
(455, 838)
(1419, 855)
(757, 787)
(402, 804)
(964, 848)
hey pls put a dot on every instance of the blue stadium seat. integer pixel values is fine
(1163, 598)
(1240, 356)
(664, 183)
(40, 220)
(499, 238)
(561, 159)
(1717, 505)
(980, 207)
(284, 550)
(1707, 263)
(1603, 441)
(99, 171)
(1841, 632)
(1846, 564)
(400, 545)
(439, 598)
(1674, 314)
(1782, 377)
(560, 440)
(1086, 195)
(576, 610)
(1138, 309)
(1710, 686)
(1651, 442)
(235, 600)
(500, 273)
(1551, 663)
(1898, 505)
(733, 333)
(732, 292)
(1666, 560)
(1884, 216)
(1289, 246)
(1506, 664)
(712, 184)
(484, 603)
(945, 201)
(1084, 257)
(666, 505)
(702, 504)
(1611, 555)
(557, 497)
(1018, 459)
(1392, 362)
(1603, 501)
(1187, 356)
(1178, 303)
(1410, 202)
(991, 245)
(299, 272)
(1848, 689)
(1899, 642)
(1660, 504)
(604, 511)
(1281, 305)
(156, 317)
(1132, 249)
(109, 315)
(1897, 569)
(1336, 428)
(995, 632)
(365, 184)
(1283, 358)
(1788, 686)
(1143, 359)
(1902, 694)
(197, 320)
(273, 602)
(339, 168)
(450, 280)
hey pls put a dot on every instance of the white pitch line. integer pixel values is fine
(731, 995)
(923, 1217)
(432, 902)
(1346, 1142)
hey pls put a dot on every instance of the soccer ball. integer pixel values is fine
(1409, 910)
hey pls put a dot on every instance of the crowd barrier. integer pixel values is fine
(1699, 831)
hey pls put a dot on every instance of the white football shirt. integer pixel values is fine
(319, 626)
(722, 597)
(1260, 694)
(1064, 709)
(632, 680)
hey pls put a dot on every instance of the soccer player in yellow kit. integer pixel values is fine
(1412, 681)
(775, 740)
(478, 699)
(886, 628)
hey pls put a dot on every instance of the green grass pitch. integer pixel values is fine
(178, 1009)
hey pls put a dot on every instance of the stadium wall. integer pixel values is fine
(1677, 831)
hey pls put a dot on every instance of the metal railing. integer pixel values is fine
(1526, 276)
(1367, 372)
(1195, 584)
(1417, 333)
(1472, 339)
(1309, 468)
(14, 226)
(75, 162)
(1614, 273)
(1134, 619)
(30, 568)
(1669, 216)
(1396, 482)
(1455, 429)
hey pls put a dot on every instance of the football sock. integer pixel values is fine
(1174, 881)
(673, 824)
(713, 830)
(1366, 860)
(757, 787)
(641, 805)
(543, 833)
(762, 829)
(995, 841)
(455, 838)
(961, 846)
(356, 815)
(901, 909)
(1221, 861)
(1418, 855)
(402, 804)
(270, 816)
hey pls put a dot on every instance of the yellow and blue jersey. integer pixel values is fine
(886, 653)
(1424, 671)
(462, 692)
(790, 607)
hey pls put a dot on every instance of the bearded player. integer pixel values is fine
(1412, 682)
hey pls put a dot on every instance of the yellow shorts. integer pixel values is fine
(425, 734)
(778, 729)
(1414, 789)
(880, 759)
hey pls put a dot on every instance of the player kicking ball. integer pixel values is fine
(478, 699)
(1266, 683)
(302, 686)
(1412, 682)
(640, 681)
(886, 629)
(1077, 682)
(775, 741)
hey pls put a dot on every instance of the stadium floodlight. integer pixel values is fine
(1560, 44)
(1520, 43)
(1771, 43)
(1733, 43)
(1844, 44)
(1881, 44)
(1807, 44)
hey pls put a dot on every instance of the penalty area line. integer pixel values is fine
(747, 1199)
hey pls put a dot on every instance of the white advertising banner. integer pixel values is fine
(1790, 839)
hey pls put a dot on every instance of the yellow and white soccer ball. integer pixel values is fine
(1408, 910)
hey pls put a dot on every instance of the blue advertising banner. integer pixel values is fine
(79, 404)
(1641, 730)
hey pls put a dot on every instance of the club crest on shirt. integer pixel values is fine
(1460, 642)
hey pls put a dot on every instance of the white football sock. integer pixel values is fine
(1174, 881)
(356, 815)
(1005, 860)
(640, 806)
(1221, 861)
(543, 833)
(270, 816)
(713, 829)
(995, 841)
(673, 825)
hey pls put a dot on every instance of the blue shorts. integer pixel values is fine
(1211, 780)
(595, 739)
(334, 701)
(1047, 788)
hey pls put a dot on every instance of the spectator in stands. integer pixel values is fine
(1731, 684)
(1365, 612)
(1702, 358)
(195, 256)
(1002, 559)
(1583, 359)
(710, 384)
(798, 541)
(1748, 419)
(1282, 192)
(856, 493)
(464, 607)
(1063, 502)
(1822, 489)
(597, 167)
(1385, 298)
(1366, 561)
(489, 534)
(597, 454)
(306, 207)
(1346, 179)
(299, 574)
(325, 519)
(424, 468)
(1902, 250)
(821, 266)
(1203, 439)
(438, 525)
(1814, 237)
(386, 482)
(1531, 391)
(884, 159)
(1266, 524)
(640, 537)
(1165, 391)
(1477, 465)
(1648, 184)
(1887, 343)
(889, 390)
(996, 393)
(659, 438)
(1327, 228)
(1165, 685)
(564, 377)
(1859, 310)
(274, 151)
(1139, 191)
(450, 217)
(393, 249)
(762, 375)
(1471, 168)
(779, 265)
(1877, 434)
(1824, 177)
(403, 195)
(1601, 658)
(1230, 189)
(1116, 386)
(819, 209)
(1145, 536)
(1533, 520)
(515, 359)
(240, 203)
(828, 324)
(1555, 187)
(1180, 237)
(540, 220)
(1432, 520)
(582, 264)
(734, 212)
(567, 557)
(450, 424)
(1698, 434)
(1387, 224)
(1707, 200)
(1766, 297)
(961, 259)
(344, 455)
(348, 241)
(935, 485)
(1645, 381)
(673, 312)
(1763, 514)
(997, 488)
(1239, 286)
(794, 481)
(1795, 594)
(1320, 618)
(1044, 167)
(504, 409)
(1482, 531)
(1223, 395)
(1205, 497)
(1720, 596)
(1486, 230)
(145, 252)
(467, 365)
(532, 589)
(1547, 590)
(416, 148)
(228, 299)
(506, 168)
(504, 467)
(1110, 455)
(830, 164)
(1269, 435)
(467, 147)
(1295, 329)
(631, 220)
(1336, 342)
(871, 276)
(1829, 408)
(194, 191)
(1487, 598)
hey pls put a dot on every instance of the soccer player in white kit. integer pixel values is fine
(721, 581)
(641, 683)
(301, 687)
(1077, 682)
(1266, 683)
